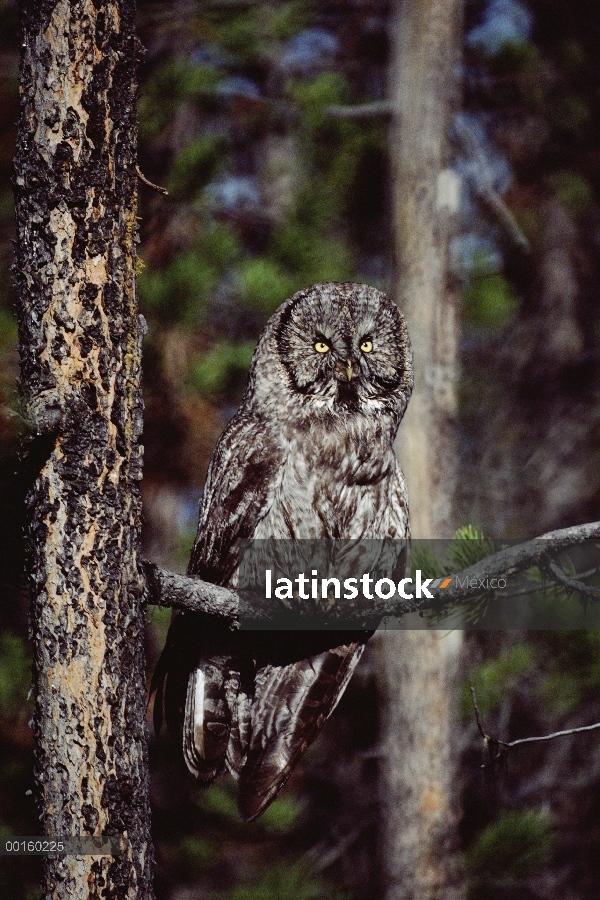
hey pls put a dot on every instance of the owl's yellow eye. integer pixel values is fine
(321, 347)
(366, 346)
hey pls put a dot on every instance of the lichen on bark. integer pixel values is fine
(80, 344)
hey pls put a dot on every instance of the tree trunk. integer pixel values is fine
(424, 87)
(418, 669)
(80, 344)
(419, 766)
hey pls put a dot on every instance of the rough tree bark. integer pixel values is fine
(418, 669)
(80, 339)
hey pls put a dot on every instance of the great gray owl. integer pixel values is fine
(307, 455)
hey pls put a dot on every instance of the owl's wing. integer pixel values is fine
(235, 496)
(198, 677)
(291, 704)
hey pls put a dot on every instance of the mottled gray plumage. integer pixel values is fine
(309, 454)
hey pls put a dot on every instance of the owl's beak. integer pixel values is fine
(349, 370)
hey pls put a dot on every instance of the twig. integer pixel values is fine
(155, 187)
(550, 737)
(573, 584)
(325, 860)
(483, 183)
(526, 591)
(477, 715)
(496, 205)
(361, 110)
(497, 748)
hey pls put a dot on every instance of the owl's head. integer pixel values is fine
(342, 346)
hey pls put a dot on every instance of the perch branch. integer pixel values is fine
(165, 588)
(182, 592)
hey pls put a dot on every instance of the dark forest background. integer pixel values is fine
(269, 191)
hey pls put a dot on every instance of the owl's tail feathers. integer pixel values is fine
(207, 721)
(291, 705)
(193, 690)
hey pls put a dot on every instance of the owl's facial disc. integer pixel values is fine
(345, 343)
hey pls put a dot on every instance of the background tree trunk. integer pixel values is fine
(80, 344)
(417, 669)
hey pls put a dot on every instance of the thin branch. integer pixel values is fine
(498, 748)
(325, 859)
(144, 180)
(573, 584)
(482, 182)
(526, 591)
(361, 110)
(505, 218)
(550, 737)
(478, 715)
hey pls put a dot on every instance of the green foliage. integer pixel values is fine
(251, 33)
(192, 854)
(560, 606)
(215, 372)
(183, 548)
(334, 148)
(517, 56)
(219, 800)
(286, 882)
(572, 190)
(6, 204)
(8, 331)
(516, 845)
(179, 79)
(573, 668)
(241, 34)
(180, 291)
(160, 617)
(314, 96)
(176, 81)
(429, 561)
(15, 678)
(436, 559)
(265, 284)
(311, 255)
(195, 165)
(490, 301)
(287, 19)
(282, 815)
(494, 678)
(468, 547)
(571, 113)
(574, 56)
